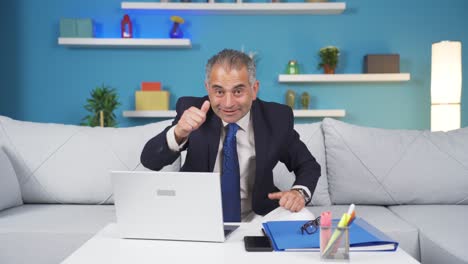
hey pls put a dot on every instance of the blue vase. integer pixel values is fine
(176, 32)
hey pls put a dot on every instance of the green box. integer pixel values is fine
(67, 28)
(84, 28)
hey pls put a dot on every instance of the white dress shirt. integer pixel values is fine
(246, 155)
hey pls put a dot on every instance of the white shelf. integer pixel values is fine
(241, 8)
(365, 77)
(125, 42)
(297, 113)
(157, 114)
(320, 113)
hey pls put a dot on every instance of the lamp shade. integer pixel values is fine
(445, 117)
(446, 85)
(446, 73)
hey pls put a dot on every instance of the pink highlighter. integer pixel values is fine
(325, 234)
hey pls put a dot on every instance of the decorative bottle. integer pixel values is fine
(292, 67)
(305, 100)
(126, 27)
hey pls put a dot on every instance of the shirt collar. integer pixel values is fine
(243, 123)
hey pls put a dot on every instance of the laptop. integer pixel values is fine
(169, 205)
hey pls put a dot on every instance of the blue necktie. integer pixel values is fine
(230, 177)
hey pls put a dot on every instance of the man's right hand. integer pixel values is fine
(190, 120)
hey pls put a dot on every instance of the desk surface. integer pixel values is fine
(107, 247)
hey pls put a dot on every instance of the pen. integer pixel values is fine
(352, 214)
(351, 209)
(352, 217)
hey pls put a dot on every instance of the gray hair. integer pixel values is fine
(232, 59)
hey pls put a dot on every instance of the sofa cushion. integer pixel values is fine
(58, 163)
(10, 194)
(383, 219)
(392, 167)
(442, 231)
(49, 233)
(312, 136)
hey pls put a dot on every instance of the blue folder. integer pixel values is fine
(287, 236)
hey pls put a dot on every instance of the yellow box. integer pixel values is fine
(151, 100)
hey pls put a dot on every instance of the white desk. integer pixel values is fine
(107, 247)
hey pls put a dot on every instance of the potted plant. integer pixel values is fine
(101, 105)
(329, 58)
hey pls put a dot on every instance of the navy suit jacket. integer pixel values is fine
(275, 140)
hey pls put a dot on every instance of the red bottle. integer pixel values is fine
(126, 27)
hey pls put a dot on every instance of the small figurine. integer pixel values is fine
(290, 98)
(305, 100)
(176, 32)
(126, 27)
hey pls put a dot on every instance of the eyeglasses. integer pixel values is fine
(311, 226)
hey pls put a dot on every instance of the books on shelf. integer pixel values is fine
(287, 236)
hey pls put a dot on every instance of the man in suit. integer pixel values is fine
(265, 136)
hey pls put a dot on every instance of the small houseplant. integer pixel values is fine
(101, 105)
(329, 58)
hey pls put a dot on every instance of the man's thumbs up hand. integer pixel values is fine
(191, 120)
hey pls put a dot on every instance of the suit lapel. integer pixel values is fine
(261, 135)
(214, 134)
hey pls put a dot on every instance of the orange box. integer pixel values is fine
(151, 86)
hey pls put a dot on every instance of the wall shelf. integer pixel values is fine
(156, 114)
(241, 8)
(320, 113)
(297, 113)
(125, 42)
(365, 77)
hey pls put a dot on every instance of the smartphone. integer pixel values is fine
(257, 244)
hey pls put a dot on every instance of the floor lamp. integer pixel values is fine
(446, 85)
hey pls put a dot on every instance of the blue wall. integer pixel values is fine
(44, 82)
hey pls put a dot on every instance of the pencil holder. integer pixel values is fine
(334, 243)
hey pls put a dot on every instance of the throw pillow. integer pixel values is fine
(57, 163)
(391, 167)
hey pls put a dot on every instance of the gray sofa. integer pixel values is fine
(55, 191)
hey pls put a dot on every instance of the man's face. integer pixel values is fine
(231, 95)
